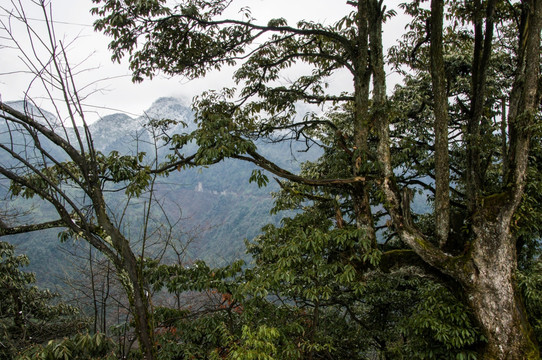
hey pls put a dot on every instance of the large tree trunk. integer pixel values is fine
(442, 165)
(493, 296)
(487, 269)
(362, 124)
(490, 285)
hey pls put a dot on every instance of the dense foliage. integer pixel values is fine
(459, 127)
(29, 315)
(359, 269)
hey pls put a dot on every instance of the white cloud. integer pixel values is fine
(116, 91)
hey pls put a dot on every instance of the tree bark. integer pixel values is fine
(491, 288)
(486, 270)
(493, 297)
(442, 166)
(362, 126)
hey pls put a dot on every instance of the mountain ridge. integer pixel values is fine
(216, 202)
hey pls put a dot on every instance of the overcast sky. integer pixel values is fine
(117, 92)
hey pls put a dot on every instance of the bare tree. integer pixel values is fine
(53, 158)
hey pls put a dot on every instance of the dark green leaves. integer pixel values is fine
(29, 315)
(259, 178)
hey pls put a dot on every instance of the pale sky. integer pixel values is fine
(116, 91)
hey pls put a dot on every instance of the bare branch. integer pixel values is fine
(21, 229)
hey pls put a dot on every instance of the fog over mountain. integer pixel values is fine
(215, 208)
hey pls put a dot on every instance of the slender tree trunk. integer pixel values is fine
(140, 306)
(93, 288)
(131, 278)
(442, 168)
(105, 298)
(362, 126)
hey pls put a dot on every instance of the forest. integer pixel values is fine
(406, 216)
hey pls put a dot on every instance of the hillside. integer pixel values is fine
(214, 208)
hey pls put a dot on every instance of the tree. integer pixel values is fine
(471, 240)
(52, 158)
(79, 346)
(28, 315)
(341, 312)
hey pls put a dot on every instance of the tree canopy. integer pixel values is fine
(29, 315)
(460, 127)
(414, 234)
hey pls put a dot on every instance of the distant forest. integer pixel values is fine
(281, 218)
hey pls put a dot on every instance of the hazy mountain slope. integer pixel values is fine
(216, 205)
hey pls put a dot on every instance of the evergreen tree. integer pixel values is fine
(29, 315)
(469, 239)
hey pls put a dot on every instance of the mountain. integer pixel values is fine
(114, 132)
(215, 208)
(122, 133)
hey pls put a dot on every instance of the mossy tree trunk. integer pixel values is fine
(491, 292)
(486, 269)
